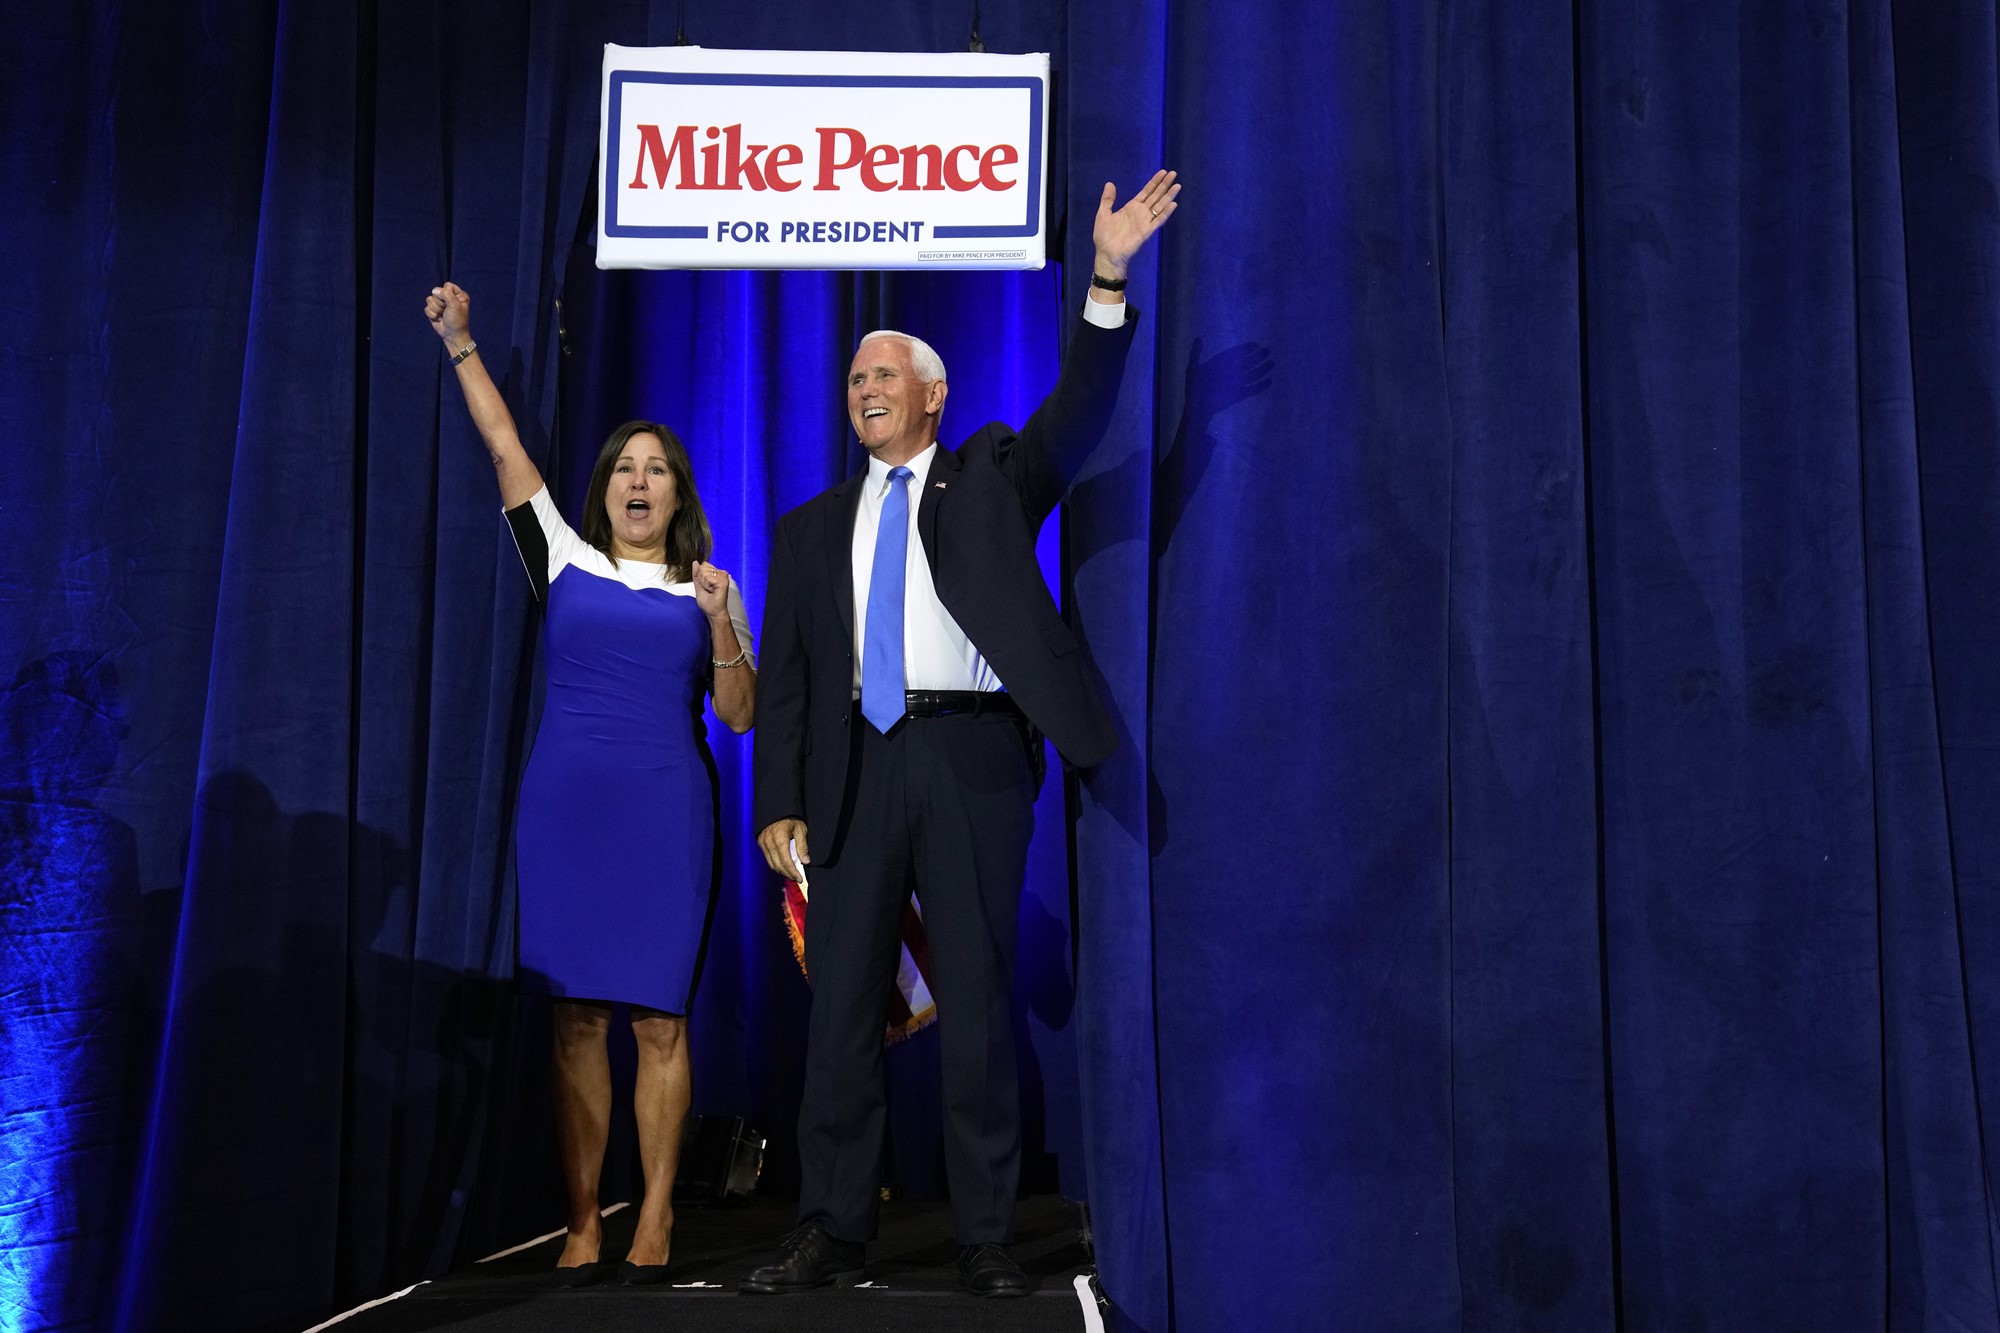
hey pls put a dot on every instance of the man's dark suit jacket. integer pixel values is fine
(981, 509)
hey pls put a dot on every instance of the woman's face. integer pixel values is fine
(639, 499)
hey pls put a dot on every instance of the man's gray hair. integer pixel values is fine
(929, 365)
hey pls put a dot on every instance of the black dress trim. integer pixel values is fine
(533, 544)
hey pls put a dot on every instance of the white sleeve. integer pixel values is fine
(1105, 314)
(564, 544)
(741, 620)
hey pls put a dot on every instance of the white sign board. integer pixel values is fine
(821, 159)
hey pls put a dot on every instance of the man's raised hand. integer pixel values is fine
(1119, 232)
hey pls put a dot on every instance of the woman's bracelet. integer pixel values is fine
(737, 660)
(463, 352)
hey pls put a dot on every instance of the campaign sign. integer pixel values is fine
(821, 159)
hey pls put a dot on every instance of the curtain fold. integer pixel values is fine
(1927, 230)
(233, 1081)
(1113, 124)
(1739, 895)
(1529, 1098)
(1938, 1200)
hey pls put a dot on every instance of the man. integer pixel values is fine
(912, 659)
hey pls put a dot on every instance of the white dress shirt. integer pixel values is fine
(936, 653)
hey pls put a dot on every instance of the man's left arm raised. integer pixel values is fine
(1044, 459)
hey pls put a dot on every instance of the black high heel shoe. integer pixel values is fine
(577, 1275)
(641, 1275)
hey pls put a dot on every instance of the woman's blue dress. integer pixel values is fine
(615, 840)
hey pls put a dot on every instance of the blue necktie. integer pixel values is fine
(882, 653)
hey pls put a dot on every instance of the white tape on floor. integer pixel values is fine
(1092, 1321)
(531, 1244)
(398, 1295)
(379, 1300)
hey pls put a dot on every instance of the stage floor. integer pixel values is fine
(912, 1266)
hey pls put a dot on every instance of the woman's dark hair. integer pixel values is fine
(688, 537)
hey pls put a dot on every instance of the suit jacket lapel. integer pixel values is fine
(944, 473)
(840, 550)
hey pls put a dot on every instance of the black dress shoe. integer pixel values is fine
(807, 1258)
(988, 1270)
(641, 1275)
(576, 1275)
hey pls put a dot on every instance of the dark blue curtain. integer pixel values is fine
(1547, 563)
(1553, 883)
(265, 658)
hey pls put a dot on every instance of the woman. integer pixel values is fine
(615, 836)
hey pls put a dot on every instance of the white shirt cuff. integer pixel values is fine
(1105, 315)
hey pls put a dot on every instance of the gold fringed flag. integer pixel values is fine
(911, 1008)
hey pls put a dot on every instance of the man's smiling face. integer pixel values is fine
(894, 413)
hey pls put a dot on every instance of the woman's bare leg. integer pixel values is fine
(660, 1098)
(583, 1119)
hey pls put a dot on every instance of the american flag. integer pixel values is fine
(911, 1008)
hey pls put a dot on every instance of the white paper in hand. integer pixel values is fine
(793, 845)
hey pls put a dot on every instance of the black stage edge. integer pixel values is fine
(913, 1263)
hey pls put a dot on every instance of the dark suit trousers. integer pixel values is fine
(947, 804)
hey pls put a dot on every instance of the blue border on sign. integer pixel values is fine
(619, 78)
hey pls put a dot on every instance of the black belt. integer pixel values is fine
(943, 703)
